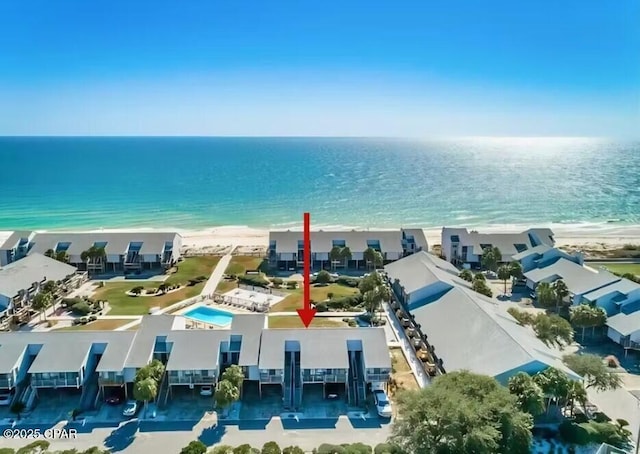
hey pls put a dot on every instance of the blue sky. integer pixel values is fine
(412, 68)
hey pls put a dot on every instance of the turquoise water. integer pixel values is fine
(56, 183)
(210, 315)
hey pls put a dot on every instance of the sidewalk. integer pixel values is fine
(414, 363)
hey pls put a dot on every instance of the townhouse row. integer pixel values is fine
(93, 362)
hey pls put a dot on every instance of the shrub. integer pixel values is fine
(194, 447)
(348, 281)
(245, 449)
(292, 450)
(330, 295)
(271, 447)
(326, 448)
(323, 277)
(352, 323)
(84, 320)
(70, 302)
(93, 318)
(254, 280)
(201, 278)
(222, 449)
(81, 308)
(292, 285)
(322, 307)
(277, 282)
(137, 290)
(12, 451)
(573, 433)
(36, 446)
(357, 448)
(387, 448)
(151, 291)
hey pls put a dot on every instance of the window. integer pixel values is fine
(272, 371)
(204, 372)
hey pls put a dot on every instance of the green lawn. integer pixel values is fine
(294, 300)
(240, 264)
(621, 268)
(98, 325)
(123, 304)
(293, 321)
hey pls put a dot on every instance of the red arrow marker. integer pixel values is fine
(307, 313)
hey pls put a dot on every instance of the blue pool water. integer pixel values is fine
(209, 315)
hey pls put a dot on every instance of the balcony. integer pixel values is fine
(270, 378)
(6, 382)
(117, 381)
(53, 383)
(377, 377)
(192, 380)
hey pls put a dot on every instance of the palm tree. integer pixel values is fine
(554, 384)
(545, 294)
(345, 255)
(585, 316)
(561, 292)
(41, 302)
(378, 259)
(49, 253)
(62, 256)
(516, 269)
(226, 393)
(145, 390)
(577, 393)
(528, 392)
(335, 255)
(369, 256)
(504, 273)
(374, 297)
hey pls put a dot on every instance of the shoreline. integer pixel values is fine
(574, 236)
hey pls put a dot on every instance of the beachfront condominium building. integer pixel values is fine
(109, 252)
(464, 247)
(286, 248)
(465, 330)
(15, 246)
(21, 280)
(98, 362)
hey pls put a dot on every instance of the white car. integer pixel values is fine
(5, 399)
(382, 404)
(130, 408)
(206, 391)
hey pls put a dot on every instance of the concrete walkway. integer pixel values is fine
(414, 363)
(322, 314)
(216, 276)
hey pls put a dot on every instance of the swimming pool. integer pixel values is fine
(209, 315)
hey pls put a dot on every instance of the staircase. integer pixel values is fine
(357, 387)
(163, 392)
(297, 381)
(288, 382)
(89, 392)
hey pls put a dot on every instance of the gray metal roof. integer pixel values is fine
(9, 356)
(420, 270)
(195, 349)
(473, 332)
(21, 274)
(623, 286)
(356, 240)
(117, 242)
(540, 249)
(324, 348)
(625, 324)
(579, 279)
(151, 327)
(62, 354)
(115, 355)
(250, 327)
(15, 238)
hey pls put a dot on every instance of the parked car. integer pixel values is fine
(130, 409)
(206, 390)
(382, 404)
(5, 398)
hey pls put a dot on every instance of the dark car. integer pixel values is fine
(113, 400)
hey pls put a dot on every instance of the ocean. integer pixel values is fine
(191, 183)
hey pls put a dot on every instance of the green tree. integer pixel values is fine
(222, 449)
(41, 302)
(378, 259)
(461, 412)
(374, 297)
(17, 408)
(528, 393)
(553, 329)
(345, 255)
(594, 371)
(271, 447)
(226, 393)
(545, 294)
(154, 370)
(585, 316)
(479, 277)
(62, 256)
(245, 449)
(491, 256)
(234, 375)
(35, 447)
(554, 384)
(504, 274)
(481, 287)
(515, 269)
(357, 448)
(49, 286)
(194, 447)
(370, 282)
(577, 394)
(145, 391)
(466, 275)
(49, 253)
(369, 257)
(292, 450)
(523, 318)
(335, 255)
(323, 277)
(561, 291)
